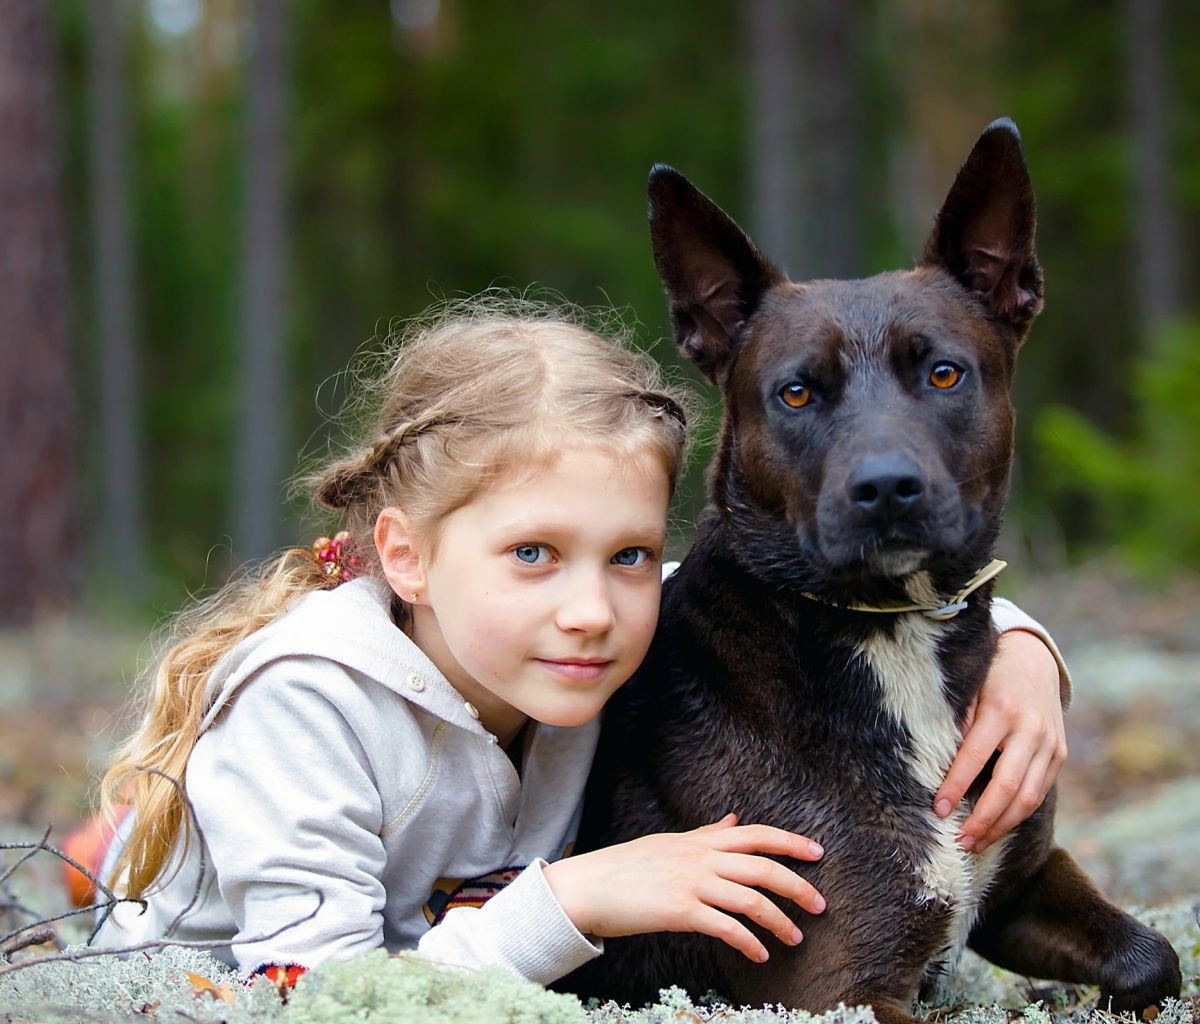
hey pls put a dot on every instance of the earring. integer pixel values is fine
(413, 598)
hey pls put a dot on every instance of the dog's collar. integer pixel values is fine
(932, 610)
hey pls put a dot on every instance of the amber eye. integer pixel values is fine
(795, 395)
(945, 375)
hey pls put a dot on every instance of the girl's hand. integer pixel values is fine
(689, 882)
(1018, 712)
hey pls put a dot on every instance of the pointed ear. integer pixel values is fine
(399, 553)
(713, 274)
(984, 232)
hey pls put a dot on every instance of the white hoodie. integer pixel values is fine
(348, 766)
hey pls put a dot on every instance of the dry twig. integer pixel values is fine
(88, 953)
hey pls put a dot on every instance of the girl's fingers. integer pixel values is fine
(710, 921)
(767, 839)
(729, 821)
(978, 746)
(737, 899)
(1028, 800)
(759, 872)
(1012, 787)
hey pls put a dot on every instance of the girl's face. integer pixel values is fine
(543, 593)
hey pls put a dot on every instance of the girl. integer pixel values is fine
(398, 759)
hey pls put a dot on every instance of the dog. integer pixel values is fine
(819, 647)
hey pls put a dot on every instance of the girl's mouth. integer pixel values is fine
(577, 669)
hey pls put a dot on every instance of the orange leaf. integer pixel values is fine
(200, 985)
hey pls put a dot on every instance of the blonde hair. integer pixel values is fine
(471, 393)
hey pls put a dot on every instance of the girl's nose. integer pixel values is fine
(587, 606)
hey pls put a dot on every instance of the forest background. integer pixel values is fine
(209, 205)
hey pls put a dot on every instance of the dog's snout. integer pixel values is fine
(885, 485)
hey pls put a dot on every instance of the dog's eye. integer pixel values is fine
(795, 395)
(945, 375)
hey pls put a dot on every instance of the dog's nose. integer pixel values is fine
(886, 485)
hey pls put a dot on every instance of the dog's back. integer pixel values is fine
(819, 647)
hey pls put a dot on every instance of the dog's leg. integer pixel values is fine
(1058, 925)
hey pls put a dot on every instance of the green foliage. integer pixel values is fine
(1147, 489)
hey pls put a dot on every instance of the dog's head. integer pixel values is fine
(868, 426)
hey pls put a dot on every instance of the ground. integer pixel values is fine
(1129, 805)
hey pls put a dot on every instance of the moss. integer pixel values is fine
(109, 990)
(375, 988)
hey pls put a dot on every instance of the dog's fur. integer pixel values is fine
(764, 694)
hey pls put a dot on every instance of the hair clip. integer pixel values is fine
(338, 556)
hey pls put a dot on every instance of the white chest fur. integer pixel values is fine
(907, 669)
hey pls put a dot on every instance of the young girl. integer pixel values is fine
(398, 759)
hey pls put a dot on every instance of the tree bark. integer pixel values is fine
(38, 457)
(830, 41)
(261, 469)
(779, 173)
(804, 135)
(116, 325)
(1156, 246)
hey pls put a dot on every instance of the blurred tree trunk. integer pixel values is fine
(830, 40)
(779, 171)
(38, 467)
(948, 66)
(124, 535)
(1156, 245)
(261, 469)
(804, 135)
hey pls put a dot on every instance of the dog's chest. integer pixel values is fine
(906, 667)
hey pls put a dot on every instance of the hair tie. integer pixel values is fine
(339, 557)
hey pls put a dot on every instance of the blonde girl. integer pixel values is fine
(386, 744)
(365, 759)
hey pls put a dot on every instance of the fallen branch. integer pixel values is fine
(7, 945)
(31, 847)
(34, 848)
(32, 939)
(88, 953)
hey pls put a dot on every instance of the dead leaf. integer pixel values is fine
(1150, 1013)
(200, 985)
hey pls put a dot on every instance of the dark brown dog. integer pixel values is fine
(863, 462)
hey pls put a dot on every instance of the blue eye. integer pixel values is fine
(630, 556)
(531, 554)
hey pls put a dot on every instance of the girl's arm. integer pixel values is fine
(523, 930)
(1019, 712)
(284, 795)
(286, 792)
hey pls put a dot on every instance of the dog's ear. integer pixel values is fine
(713, 274)
(984, 232)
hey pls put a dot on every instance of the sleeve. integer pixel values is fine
(522, 929)
(291, 814)
(1007, 615)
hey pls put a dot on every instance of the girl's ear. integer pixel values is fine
(399, 554)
